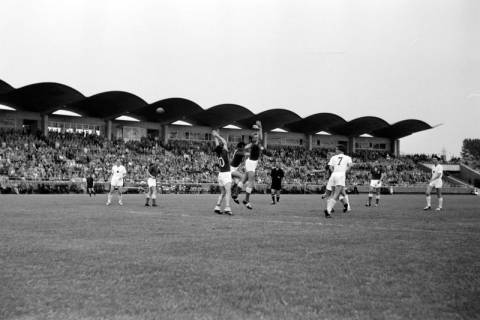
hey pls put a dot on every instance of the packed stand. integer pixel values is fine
(71, 157)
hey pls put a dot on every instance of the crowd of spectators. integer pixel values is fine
(72, 157)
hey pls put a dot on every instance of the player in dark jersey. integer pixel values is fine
(152, 172)
(277, 175)
(90, 188)
(377, 174)
(237, 159)
(224, 176)
(255, 148)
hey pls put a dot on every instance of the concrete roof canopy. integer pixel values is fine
(272, 119)
(174, 109)
(360, 126)
(220, 115)
(107, 105)
(47, 97)
(402, 129)
(316, 123)
(42, 97)
(5, 87)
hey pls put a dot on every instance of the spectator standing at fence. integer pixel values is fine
(116, 182)
(90, 188)
(277, 175)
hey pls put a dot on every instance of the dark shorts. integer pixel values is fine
(276, 186)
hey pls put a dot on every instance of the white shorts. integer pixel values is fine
(151, 182)
(116, 182)
(224, 178)
(329, 185)
(375, 183)
(436, 183)
(250, 165)
(337, 179)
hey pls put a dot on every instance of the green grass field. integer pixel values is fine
(71, 257)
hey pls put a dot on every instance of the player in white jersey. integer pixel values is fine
(435, 182)
(116, 181)
(329, 188)
(339, 164)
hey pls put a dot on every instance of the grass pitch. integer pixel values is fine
(71, 257)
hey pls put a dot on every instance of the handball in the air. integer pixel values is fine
(160, 110)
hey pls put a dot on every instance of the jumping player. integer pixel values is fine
(277, 175)
(377, 174)
(237, 159)
(116, 182)
(224, 176)
(435, 182)
(251, 163)
(339, 164)
(152, 173)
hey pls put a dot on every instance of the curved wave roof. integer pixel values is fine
(316, 123)
(5, 87)
(107, 105)
(47, 97)
(173, 109)
(42, 97)
(271, 119)
(220, 115)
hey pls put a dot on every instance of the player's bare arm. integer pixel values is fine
(260, 131)
(218, 138)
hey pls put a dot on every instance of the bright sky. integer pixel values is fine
(394, 59)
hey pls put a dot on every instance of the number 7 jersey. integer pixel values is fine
(340, 162)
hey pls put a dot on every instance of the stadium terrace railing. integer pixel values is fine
(179, 187)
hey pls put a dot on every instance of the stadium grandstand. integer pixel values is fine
(58, 107)
(50, 131)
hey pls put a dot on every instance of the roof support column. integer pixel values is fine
(108, 129)
(309, 141)
(164, 134)
(395, 147)
(44, 125)
(265, 140)
(351, 145)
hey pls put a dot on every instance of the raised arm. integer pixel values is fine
(260, 130)
(218, 138)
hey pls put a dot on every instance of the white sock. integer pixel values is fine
(330, 204)
(440, 202)
(429, 201)
(346, 201)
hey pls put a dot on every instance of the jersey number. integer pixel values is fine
(340, 160)
(221, 162)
